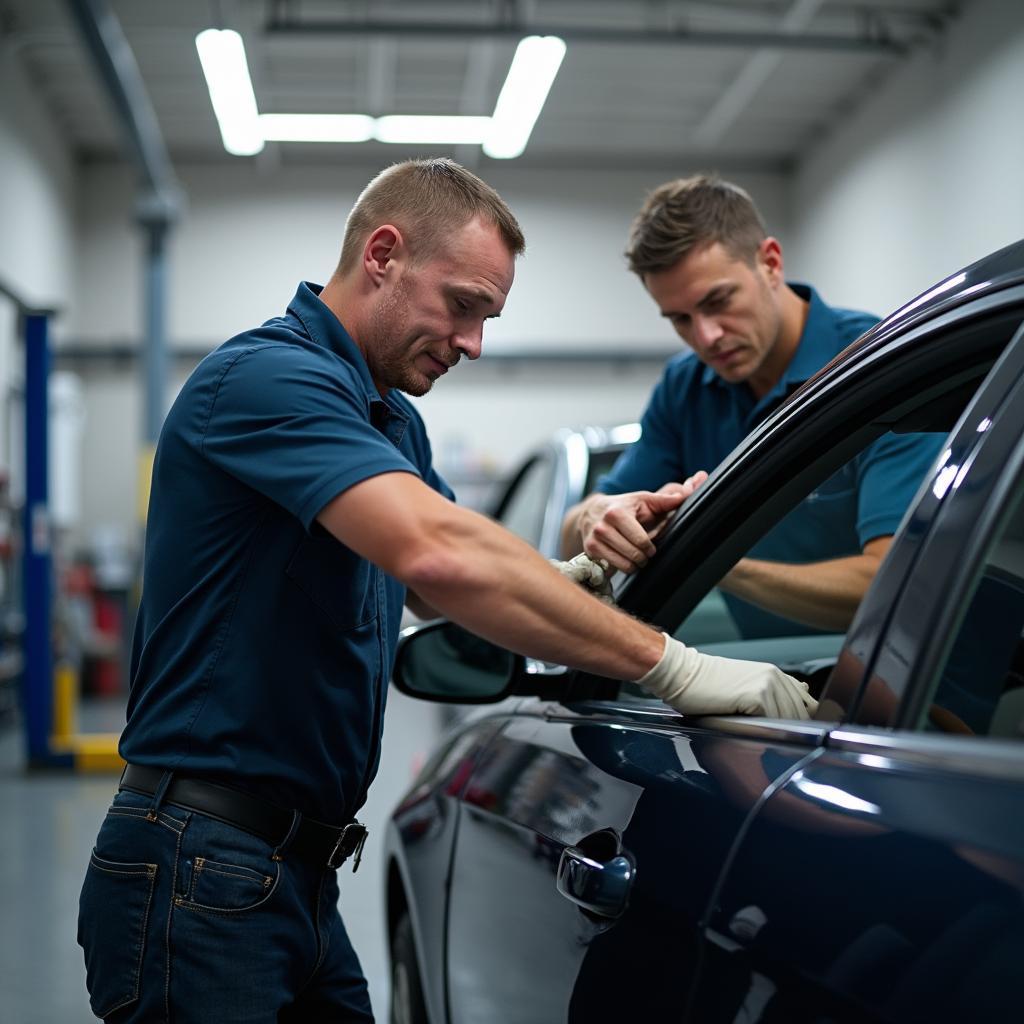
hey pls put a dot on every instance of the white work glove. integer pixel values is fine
(590, 575)
(703, 684)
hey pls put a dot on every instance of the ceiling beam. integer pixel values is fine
(860, 42)
(381, 74)
(737, 96)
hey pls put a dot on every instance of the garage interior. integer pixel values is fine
(881, 140)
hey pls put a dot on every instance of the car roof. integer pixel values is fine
(996, 272)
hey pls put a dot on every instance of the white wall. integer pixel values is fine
(926, 176)
(252, 232)
(37, 230)
(36, 192)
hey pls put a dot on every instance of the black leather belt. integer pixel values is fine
(325, 844)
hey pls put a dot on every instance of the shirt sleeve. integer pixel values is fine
(656, 457)
(295, 429)
(889, 473)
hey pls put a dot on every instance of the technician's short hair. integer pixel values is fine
(427, 200)
(688, 213)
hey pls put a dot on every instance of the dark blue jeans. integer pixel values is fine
(184, 919)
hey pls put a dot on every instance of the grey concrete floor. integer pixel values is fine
(50, 821)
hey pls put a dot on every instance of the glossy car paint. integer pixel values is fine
(832, 870)
(668, 796)
(886, 879)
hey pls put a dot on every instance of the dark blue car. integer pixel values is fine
(581, 852)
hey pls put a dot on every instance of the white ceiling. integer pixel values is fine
(633, 89)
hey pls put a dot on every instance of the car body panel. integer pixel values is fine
(675, 796)
(421, 835)
(885, 881)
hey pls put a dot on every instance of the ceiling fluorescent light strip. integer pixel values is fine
(456, 130)
(522, 97)
(316, 127)
(394, 128)
(503, 135)
(222, 56)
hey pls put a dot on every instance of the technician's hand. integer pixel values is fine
(702, 684)
(620, 528)
(588, 574)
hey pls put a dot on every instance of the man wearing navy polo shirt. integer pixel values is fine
(701, 250)
(294, 509)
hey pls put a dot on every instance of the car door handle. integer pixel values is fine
(602, 887)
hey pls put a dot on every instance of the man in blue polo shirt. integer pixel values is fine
(294, 508)
(701, 250)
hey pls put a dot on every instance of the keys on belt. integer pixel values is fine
(351, 840)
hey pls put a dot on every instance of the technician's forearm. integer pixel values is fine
(822, 594)
(572, 541)
(500, 588)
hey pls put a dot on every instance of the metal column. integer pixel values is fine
(160, 200)
(38, 559)
(156, 228)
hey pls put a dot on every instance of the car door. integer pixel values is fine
(578, 886)
(587, 842)
(523, 506)
(883, 880)
(558, 475)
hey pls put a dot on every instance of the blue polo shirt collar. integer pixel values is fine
(819, 342)
(327, 331)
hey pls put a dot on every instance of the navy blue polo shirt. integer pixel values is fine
(263, 645)
(695, 419)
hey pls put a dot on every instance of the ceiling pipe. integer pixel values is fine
(160, 202)
(515, 30)
(742, 90)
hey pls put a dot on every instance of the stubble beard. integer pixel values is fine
(391, 367)
(770, 328)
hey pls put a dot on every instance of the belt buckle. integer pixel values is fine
(350, 840)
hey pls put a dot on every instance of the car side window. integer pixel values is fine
(523, 513)
(839, 518)
(980, 689)
(865, 499)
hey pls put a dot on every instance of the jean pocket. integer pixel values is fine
(112, 914)
(227, 888)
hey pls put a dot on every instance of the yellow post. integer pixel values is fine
(144, 482)
(65, 704)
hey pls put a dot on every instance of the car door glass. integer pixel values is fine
(980, 690)
(523, 511)
(864, 500)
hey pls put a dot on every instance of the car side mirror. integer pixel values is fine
(442, 662)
